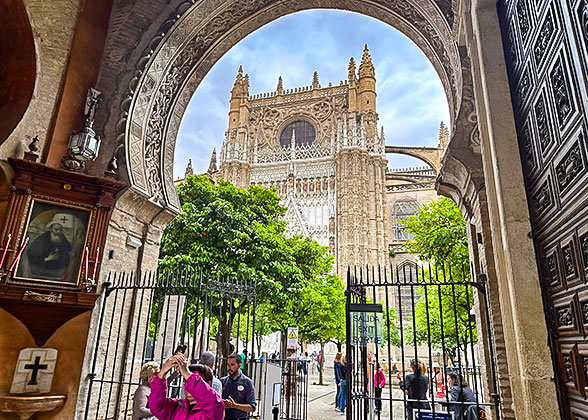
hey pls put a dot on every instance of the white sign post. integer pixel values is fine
(292, 338)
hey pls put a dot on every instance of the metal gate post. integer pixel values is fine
(349, 365)
(92, 374)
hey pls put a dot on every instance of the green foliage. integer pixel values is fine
(232, 233)
(442, 312)
(235, 233)
(439, 234)
(318, 310)
(442, 317)
(391, 332)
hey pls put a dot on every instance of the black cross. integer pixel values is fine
(36, 367)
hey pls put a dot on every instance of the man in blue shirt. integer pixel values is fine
(207, 358)
(238, 391)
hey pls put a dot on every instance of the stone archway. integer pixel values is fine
(148, 96)
(17, 50)
(188, 44)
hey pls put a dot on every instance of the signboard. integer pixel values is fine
(292, 338)
(277, 395)
(367, 324)
(428, 415)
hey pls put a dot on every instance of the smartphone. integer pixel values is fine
(181, 349)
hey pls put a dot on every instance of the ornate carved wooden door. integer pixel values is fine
(546, 48)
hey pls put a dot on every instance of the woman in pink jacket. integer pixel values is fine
(379, 382)
(201, 402)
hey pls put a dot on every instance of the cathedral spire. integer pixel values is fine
(382, 136)
(443, 135)
(280, 88)
(246, 86)
(189, 169)
(212, 168)
(366, 68)
(315, 81)
(238, 85)
(351, 70)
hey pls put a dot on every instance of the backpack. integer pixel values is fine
(475, 413)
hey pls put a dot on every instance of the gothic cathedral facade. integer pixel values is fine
(320, 148)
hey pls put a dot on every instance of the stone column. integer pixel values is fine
(525, 331)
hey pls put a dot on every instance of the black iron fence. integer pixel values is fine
(413, 336)
(151, 316)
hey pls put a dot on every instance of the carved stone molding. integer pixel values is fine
(188, 44)
(461, 175)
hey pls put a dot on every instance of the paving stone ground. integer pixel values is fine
(321, 400)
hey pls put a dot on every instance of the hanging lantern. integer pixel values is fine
(83, 146)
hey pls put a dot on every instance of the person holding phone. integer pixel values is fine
(201, 402)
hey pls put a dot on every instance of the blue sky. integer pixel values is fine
(411, 101)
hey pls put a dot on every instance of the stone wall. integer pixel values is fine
(53, 23)
(134, 216)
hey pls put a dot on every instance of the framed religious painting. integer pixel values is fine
(53, 241)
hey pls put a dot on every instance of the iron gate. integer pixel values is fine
(410, 313)
(146, 317)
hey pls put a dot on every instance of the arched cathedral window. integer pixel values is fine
(402, 210)
(303, 132)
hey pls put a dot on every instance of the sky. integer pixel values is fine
(411, 101)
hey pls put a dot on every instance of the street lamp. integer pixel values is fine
(84, 145)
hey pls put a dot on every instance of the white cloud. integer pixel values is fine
(411, 100)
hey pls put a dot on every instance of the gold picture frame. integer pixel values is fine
(59, 232)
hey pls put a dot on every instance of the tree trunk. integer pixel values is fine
(322, 363)
(225, 335)
(283, 342)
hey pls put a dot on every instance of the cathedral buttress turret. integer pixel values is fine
(280, 88)
(367, 93)
(315, 81)
(237, 94)
(212, 168)
(234, 160)
(352, 81)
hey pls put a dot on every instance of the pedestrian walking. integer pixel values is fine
(379, 382)
(415, 386)
(342, 385)
(336, 364)
(313, 363)
(238, 391)
(208, 359)
(243, 355)
(438, 380)
(201, 402)
(141, 409)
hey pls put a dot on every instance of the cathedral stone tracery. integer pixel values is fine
(319, 147)
(321, 150)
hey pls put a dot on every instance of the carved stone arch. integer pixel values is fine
(18, 56)
(188, 44)
(462, 171)
(407, 263)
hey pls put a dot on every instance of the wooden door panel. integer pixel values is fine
(546, 48)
